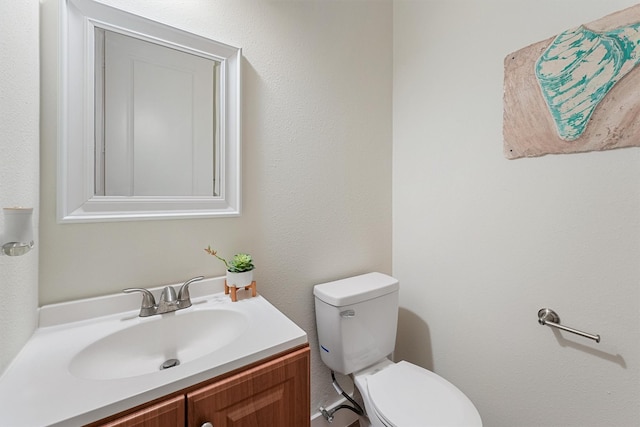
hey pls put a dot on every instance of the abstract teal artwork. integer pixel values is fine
(579, 68)
(575, 92)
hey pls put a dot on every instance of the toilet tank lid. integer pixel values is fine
(355, 289)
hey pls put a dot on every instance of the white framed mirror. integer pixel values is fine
(149, 123)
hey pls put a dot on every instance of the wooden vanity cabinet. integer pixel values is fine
(168, 413)
(275, 393)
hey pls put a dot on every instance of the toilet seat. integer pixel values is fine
(406, 395)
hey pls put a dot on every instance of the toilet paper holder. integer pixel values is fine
(548, 317)
(17, 238)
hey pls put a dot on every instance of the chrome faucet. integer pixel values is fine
(169, 300)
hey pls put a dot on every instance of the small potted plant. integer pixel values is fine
(239, 269)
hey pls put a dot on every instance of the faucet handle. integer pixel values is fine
(148, 300)
(148, 307)
(183, 293)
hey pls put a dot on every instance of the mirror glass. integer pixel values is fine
(149, 119)
(155, 118)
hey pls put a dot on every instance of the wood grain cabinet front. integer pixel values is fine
(275, 393)
(168, 413)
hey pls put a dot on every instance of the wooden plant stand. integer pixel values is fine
(234, 290)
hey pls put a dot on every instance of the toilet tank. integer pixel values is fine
(356, 320)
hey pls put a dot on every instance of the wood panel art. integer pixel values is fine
(576, 92)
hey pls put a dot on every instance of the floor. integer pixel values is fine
(356, 424)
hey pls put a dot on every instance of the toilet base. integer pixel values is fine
(364, 422)
(360, 381)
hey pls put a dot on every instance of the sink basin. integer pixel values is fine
(143, 348)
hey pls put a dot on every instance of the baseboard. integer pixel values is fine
(342, 418)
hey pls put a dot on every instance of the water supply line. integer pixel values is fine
(328, 413)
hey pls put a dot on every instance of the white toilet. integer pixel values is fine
(357, 319)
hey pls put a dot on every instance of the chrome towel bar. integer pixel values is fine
(548, 317)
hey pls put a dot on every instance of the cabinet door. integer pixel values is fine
(275, 394)
(168, 413)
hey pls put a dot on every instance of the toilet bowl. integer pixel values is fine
(356, 321)
(405, 395)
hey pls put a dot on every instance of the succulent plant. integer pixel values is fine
(241, 262)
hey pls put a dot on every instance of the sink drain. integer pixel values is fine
(169, 364)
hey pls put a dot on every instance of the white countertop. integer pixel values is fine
(37, 389)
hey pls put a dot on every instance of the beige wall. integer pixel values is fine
(19, 143)
(316, 162)
(481, 243)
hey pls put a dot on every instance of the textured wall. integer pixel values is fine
(316, 159)
(19, 144)
(481, 243)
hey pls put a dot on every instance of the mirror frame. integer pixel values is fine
(76, 168)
